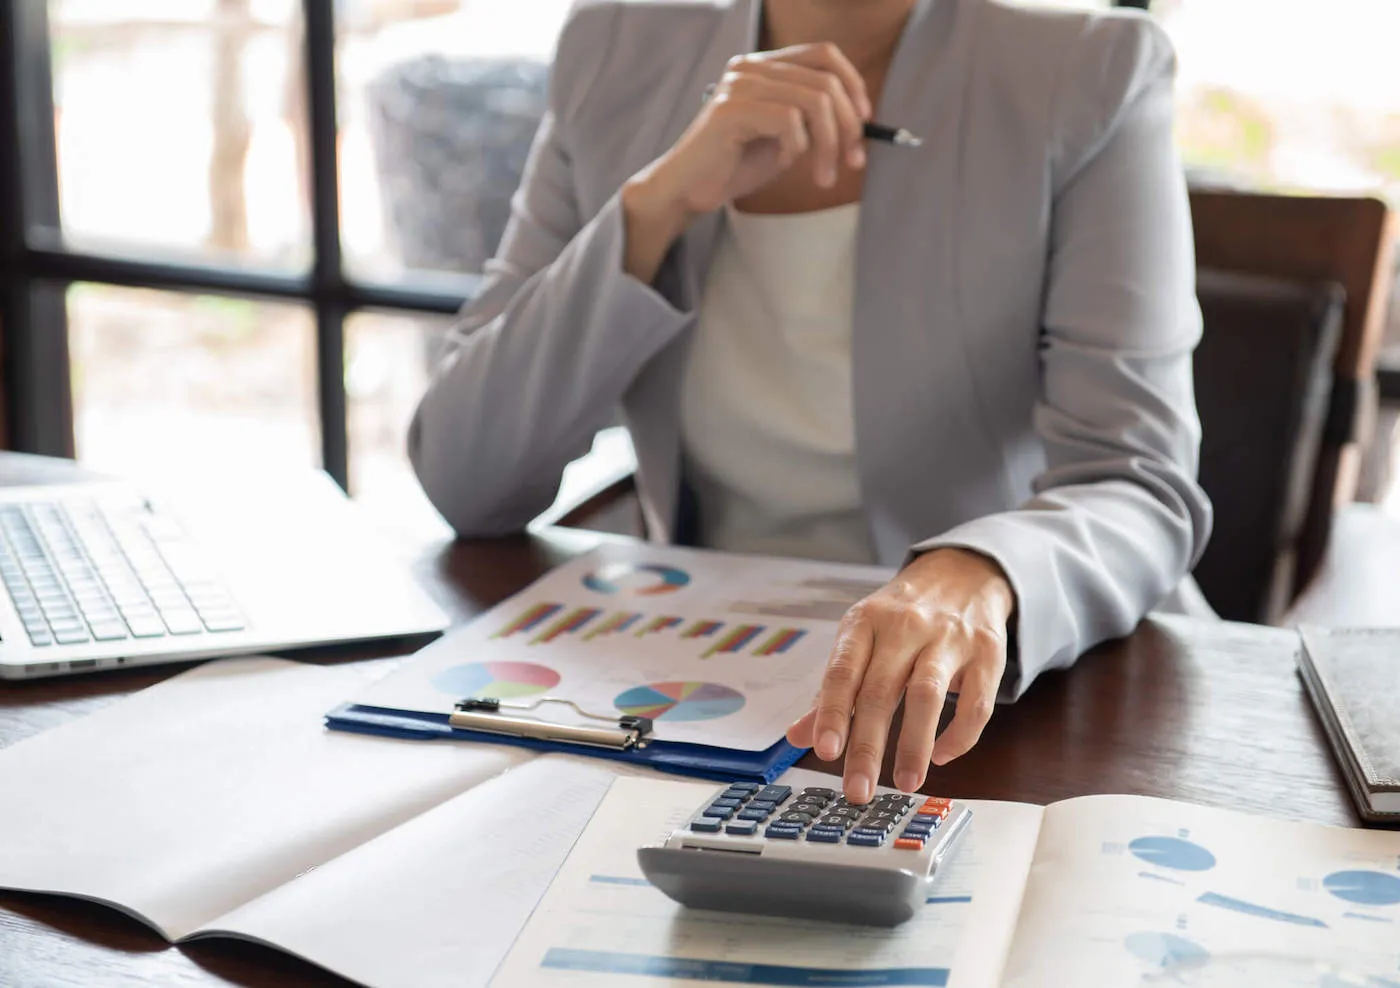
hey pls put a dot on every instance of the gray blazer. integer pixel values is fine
(1024, 319)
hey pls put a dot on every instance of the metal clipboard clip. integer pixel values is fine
(488, 714)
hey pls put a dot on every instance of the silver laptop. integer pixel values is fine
(99, 575)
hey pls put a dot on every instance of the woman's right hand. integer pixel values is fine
(769, 111)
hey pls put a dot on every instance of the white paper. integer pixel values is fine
(601, 922)
(1125, 887)
(203, 793)
(438, 900)
(718, 649)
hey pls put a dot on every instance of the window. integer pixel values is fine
(236, 229)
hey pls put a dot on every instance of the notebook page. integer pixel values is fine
(202, 793)
(438, 901)
(601, 920)
(1125, 887)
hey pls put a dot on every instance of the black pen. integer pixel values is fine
(891, 135)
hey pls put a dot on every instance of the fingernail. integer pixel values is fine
(859, 788)
(856, 157)
(866, 108)
(908, 780)
(828, 745)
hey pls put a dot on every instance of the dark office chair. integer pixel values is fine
(1349, 241)
(1263, 385)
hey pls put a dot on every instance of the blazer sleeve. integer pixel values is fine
(1117, 518)
(538, 362)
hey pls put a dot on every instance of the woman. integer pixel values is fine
(972, 357)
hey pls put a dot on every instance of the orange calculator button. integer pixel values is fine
(935, 806)
(909, 843)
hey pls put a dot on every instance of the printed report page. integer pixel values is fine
(1128, 891)
(601, 923)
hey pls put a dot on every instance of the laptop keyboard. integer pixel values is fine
(84, 571)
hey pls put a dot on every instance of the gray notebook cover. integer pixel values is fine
(1353, 678)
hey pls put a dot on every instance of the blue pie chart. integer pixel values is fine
(1364, 888)
(1165, 950)
(1173, 853)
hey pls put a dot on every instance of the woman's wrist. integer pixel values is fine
(653, 219)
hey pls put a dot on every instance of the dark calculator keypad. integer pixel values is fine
(820, 815)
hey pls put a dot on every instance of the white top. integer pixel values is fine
(766, 419)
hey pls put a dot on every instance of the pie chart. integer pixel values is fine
(1364, 888)
(677, 701)
(499, 680)
(636, 579)
(1165, 950)
(1172, 852)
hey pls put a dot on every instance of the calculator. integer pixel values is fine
(810, 854)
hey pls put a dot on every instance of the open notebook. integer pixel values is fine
(215, 804)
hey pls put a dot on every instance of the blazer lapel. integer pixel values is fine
(905, 295)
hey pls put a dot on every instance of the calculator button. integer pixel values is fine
(913, 835)
(752, 814)
(824, 836)
(916, 830)
(908, 844)
(869, 832)
(725, 801)
(865, 840)
(848, 812)
(741, 828)
(776, 793)
(794, 817)
(818, 791)
(844, 822)
(934, 806)
(767, 805)
(720, 812)
(807, 806)
(744, 786)
(882, 824)
(705, 826)
(775, 833)
(897, 799)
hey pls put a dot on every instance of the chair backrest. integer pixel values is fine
(1349, 241)
(1263, 380)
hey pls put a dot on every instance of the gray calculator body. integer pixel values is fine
(808, 854)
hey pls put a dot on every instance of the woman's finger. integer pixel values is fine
(802, 733)
(923, 706)
(848, 116)
(825, 55)
(817, 107)
(897, 641)
(977, 694)
(840, 683)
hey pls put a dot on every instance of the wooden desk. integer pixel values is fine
(1199, 711)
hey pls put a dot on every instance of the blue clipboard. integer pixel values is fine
(702, 761)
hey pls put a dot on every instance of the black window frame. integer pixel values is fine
(35, 275)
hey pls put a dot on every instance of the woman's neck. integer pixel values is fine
(867, 31)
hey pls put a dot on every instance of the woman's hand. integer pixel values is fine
(937, 627)
(768, 110)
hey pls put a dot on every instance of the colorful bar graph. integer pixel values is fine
(566, 625)
(659, 624)
(782, 640)
(735, 640)
(616, 622)
(702, 629)
(530, 620)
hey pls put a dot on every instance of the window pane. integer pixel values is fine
(1291, 96)
(166, 381)
(387, 361)
(439, 100)
(179, 130)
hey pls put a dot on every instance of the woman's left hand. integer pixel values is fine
(937, 627)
